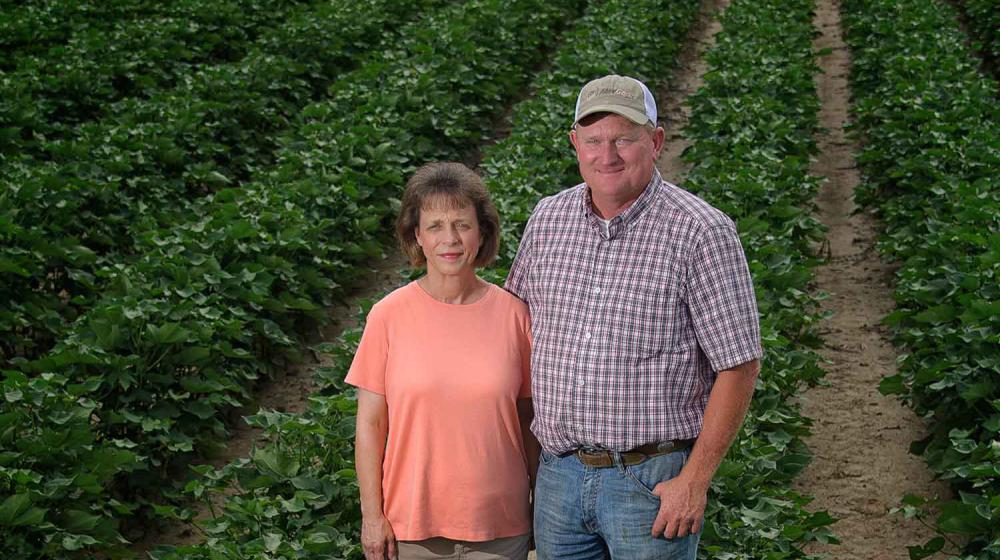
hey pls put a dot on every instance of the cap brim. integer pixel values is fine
(635, 116)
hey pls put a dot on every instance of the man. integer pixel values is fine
(646, 341)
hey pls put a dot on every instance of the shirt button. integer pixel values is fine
(586, 336)
(580, 383)
(597, 290)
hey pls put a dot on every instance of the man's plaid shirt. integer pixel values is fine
(630, 328)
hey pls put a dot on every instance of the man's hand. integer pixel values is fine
(682, 508)
(377, 539)
(683, 498)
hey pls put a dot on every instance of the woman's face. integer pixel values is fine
(449, 237)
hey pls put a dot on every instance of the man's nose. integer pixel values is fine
(609, 153)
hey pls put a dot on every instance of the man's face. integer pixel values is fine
(616, 158)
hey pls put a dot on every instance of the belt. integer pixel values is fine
(601, 458)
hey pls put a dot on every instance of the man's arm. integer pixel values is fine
(683, 498)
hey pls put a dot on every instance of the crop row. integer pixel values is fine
(984, 19)
(293, 494)
(33, 28)
(47, 92)
(75, 218)
(931, 151)
(215, 301)
(752, 128)
(297, 497)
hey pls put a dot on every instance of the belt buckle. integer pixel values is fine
(665, 447)
(597, 458)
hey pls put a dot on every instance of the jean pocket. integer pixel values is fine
(639, 485)
(546, 458)
(646, 475)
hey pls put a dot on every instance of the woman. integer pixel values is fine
(442, 444)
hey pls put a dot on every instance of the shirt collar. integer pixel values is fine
(622, 221)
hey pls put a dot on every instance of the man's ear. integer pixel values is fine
(658, 137)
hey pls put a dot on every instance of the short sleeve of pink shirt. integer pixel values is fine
(451, 375)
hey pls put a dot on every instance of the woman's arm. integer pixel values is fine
(377, 538)
(526, 413)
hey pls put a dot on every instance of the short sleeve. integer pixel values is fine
(517, 278)
(721, 300)
(368, 368)
(524, 343)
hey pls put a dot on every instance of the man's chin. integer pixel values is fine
(610, 188)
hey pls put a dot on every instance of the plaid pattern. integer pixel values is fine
(630, 327)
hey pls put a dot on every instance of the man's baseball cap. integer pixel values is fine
(621, 95)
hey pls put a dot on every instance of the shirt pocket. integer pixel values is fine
(643, 320)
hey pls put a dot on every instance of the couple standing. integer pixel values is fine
(641, 355)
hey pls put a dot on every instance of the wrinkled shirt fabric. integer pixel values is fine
(631, 324)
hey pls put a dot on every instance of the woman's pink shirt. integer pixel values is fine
(451, 375)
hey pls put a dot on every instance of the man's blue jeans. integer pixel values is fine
(586, 513)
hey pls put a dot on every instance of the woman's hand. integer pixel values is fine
(377, 538)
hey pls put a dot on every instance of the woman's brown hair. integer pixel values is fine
(456, 185)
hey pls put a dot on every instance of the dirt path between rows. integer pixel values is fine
(860, 438)
(862, 467)
(686, 80)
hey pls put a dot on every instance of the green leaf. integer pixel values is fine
(272, 541)
(13, 507)
(993, 423)
(201, 409)
(217, 178)
(16, 511)
(9, 266)
(242, 229)
(168, 333)
(77, 542)
(277, 462)
(938, 314)
(956, 517)
(76, 521)
(892, 385)
(34, 516)
(929, 548)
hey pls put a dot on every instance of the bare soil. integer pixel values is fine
(862, 467)
(686, 79)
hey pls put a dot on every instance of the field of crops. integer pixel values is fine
(930, 162)
(187, 187)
